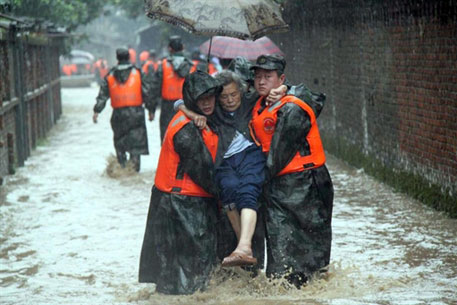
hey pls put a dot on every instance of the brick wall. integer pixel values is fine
(389, 69)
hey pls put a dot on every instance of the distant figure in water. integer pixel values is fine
(167, 81)
(125, 86)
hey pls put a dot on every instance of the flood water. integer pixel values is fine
(72, 223)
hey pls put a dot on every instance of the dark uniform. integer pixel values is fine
(229, 125)
(128, 117)
(179, 246)
(167, 81)
(299, 200)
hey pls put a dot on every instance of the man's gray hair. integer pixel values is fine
(227, 77)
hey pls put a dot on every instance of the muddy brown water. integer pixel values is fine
(72, 223)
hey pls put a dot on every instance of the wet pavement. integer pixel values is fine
(72, 223)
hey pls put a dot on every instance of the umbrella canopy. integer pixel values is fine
(236, 18)
(229, 47)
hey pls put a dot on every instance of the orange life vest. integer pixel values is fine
(171, 82)
(264, 125)
(103, 71)
(211, 68)
(147, 64)
(144, 56)
(74, 68)
(194, 66)
(102, 67)
(67, 69)
(166, 178)
(127, 94)
(132, 55)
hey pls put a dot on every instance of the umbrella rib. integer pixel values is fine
(213, 32)
(171, 19)
(265, 30)
(270, 29)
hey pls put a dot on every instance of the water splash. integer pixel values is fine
(114, 169)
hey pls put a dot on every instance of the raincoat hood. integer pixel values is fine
(196, 85)
(314, 99)
(316, 102)
(241, 66)
(180, 63)
(122, 72)
(124, 66)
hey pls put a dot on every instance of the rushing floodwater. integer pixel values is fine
(72, 223)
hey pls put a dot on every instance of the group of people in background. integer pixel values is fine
(241, 167)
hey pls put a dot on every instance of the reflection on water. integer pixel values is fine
(72, 223)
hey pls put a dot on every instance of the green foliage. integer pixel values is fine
(67, 13)
(133, 8)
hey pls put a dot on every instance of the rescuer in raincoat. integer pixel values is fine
(151, 64)
(298, 189)
(129, 93)
(167, 81)
(237, 165)
(179, 246)
(132, 55)
(202, 64)
(239, 173)
(100, 70)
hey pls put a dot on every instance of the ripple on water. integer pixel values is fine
(88, 279)
(23, 198)
(16, 280)
(25, 254)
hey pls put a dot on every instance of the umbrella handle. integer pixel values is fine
(209, 53)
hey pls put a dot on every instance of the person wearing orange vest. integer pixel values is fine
(199, 63)
(144, 55)
(298, 189)
(239, 175)
(125, 86)
(179, 245)
(239, 168)
(151, 64)
(70, 69)
(168, 80)
(132, 55)
(100, 70)
(67, 69)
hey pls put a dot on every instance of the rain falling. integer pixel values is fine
(74, 210)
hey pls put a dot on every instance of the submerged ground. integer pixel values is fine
(72, 223)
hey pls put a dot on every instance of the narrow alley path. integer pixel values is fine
(72, 223)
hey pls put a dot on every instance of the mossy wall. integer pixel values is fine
(389, 70)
